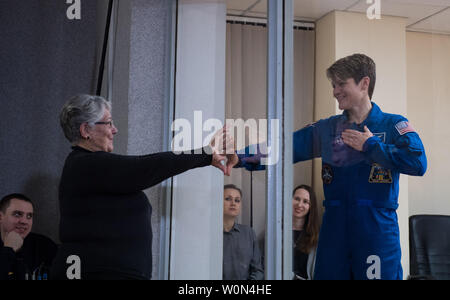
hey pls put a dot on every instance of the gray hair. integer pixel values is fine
(81, 109)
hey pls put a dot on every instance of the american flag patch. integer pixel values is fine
(404, 127)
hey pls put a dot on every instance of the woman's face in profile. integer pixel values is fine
(102, 135)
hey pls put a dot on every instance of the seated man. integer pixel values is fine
(23, 255)
(241, 255)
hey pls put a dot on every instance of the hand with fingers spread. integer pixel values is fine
(223, 149)
(356, 139)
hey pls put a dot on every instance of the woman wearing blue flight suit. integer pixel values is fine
(363, 152)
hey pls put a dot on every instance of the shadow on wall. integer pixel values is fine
(43, 190)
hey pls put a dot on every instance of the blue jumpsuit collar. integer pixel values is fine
(374, 115)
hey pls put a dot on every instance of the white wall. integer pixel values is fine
(197, 230)
(428, 110)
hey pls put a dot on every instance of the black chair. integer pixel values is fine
(429, 244)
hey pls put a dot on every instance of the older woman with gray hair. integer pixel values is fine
(105, 216)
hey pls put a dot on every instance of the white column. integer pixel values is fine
(197, 213)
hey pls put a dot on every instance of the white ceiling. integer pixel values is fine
(422, 15)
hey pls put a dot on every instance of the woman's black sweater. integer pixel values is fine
(105, 215)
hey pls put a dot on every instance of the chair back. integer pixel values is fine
(429, 242)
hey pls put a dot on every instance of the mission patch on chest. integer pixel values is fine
(378, 174)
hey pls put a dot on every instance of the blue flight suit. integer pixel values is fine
(360, 227)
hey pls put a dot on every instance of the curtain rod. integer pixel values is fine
(263, 22)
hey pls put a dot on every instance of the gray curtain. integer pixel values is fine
(246, 98)
(44, 59)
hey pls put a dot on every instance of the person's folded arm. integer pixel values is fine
(406, 155)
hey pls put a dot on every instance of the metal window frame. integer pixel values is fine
(169, 112)
(278, 244)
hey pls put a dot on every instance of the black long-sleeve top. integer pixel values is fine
(105, 216)
(300, 259)
(33, 258)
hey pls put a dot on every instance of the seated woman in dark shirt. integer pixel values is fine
(305, 225)
(241, 254)
(105, 215)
